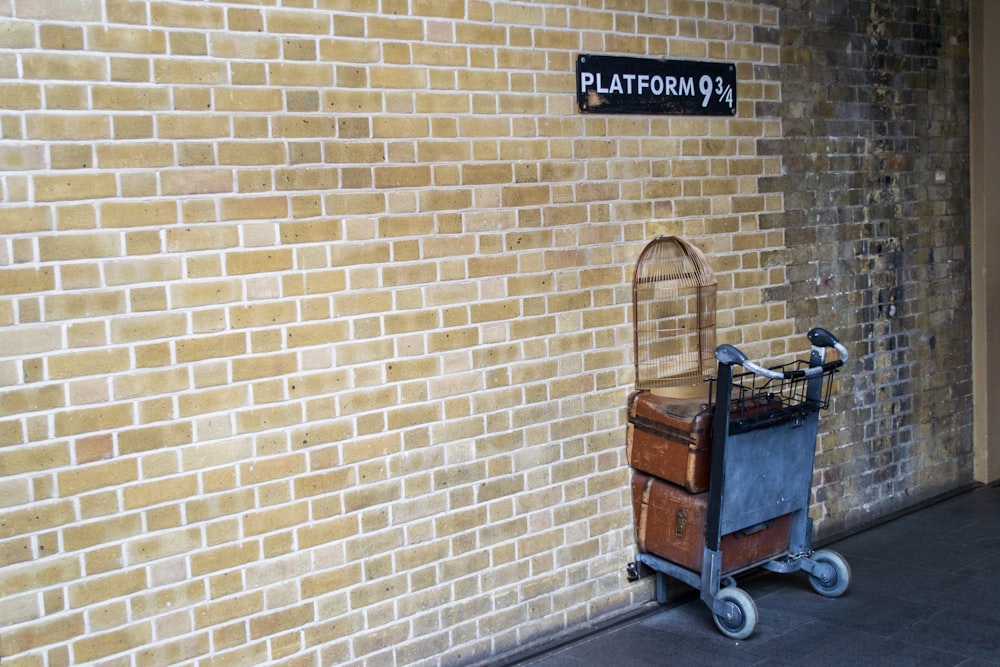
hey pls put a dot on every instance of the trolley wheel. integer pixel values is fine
(741, 619)
(839, 574)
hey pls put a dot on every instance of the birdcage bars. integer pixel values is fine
(673, 298)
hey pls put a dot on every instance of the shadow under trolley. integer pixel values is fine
(763, 449)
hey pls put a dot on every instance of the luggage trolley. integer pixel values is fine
(763, 446)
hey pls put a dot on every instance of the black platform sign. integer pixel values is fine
(622, 84)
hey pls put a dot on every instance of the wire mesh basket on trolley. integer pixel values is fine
(787, 395)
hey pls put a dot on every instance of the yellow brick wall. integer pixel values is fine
(315, 330)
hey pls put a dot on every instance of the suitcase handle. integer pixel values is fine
(754, 529)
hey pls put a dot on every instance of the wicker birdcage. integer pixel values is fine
(673, 309)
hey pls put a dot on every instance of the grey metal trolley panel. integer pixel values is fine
(762, 467)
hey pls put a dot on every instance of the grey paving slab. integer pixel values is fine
(822, 644)
(925, 591)
(959, 631)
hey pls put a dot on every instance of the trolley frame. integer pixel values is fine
(761, 469)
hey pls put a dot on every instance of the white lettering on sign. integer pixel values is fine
(638, 84)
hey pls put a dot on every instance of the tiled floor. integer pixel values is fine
(925, 590)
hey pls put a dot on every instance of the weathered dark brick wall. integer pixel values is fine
(875, 149)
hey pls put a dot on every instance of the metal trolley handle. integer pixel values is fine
(731, 355)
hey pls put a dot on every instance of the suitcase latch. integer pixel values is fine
(682, 519)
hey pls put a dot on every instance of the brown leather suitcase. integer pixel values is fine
(670, 438)
(670, 523)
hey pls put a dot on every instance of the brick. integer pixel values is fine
(71, 156)
(284, 21)
(132, 70)
(92, 362)
(166, 490)
(181, 16)
(191, 126)
(86, 420)
(22, 158)
(30, 459)
(19, 35)
(150, 269)
(25, 638)
(100, 589)
(126, 40)
(75, 186)
(263, 419)
(57, 67)
(177, 650)
(256, 208)
(288, 618)
(197, 181)
(143, 242)
(319, 75)
(251, 20)
(204, 293)
(241, 99)
(149, 384)
(21, 281)
(267, 520)
(132, 127)
(76, 10)
(30, 340)
(224, 558)
(154, 437)
(319, 334)
(15, 492)
(18, 220)
(209, 347)
(188, 44)
(98, 646)
(41, 517)
(135, 156)
(144, 214)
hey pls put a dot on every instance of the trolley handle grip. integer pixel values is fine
(731, 355)
(820, 337)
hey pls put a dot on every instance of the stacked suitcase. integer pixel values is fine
(669, 449)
